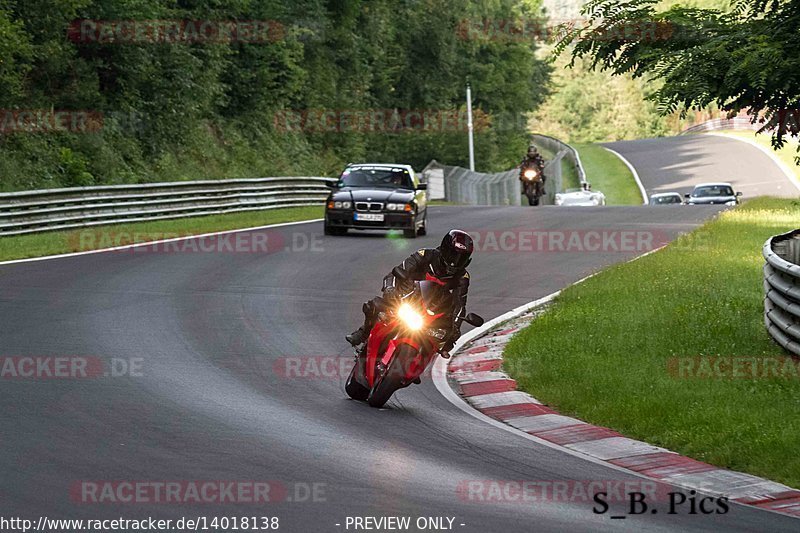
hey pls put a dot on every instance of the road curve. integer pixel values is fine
(679, 163)
(212, 402)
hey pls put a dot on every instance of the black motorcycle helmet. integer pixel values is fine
(455, 253)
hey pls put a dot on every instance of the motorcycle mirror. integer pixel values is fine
(474, 320)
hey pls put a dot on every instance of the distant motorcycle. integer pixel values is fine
(531, 177)
(406, 339)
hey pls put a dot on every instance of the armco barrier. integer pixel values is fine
(54, 209)
(735, 123)
(782, 288)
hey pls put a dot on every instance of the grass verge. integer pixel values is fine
(609, 175)
(607, 349)
(60, 242)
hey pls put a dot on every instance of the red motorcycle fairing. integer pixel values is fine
(429, 277)
(424, 350)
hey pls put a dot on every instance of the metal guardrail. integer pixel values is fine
(77, 207)
(476, 188)
(570, 154)
(735, 123)
(782, 288)
(463, 186)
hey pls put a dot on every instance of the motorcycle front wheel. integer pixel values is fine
(392, 379)
(353, 388)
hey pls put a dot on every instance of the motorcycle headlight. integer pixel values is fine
(530, 174)
(409, 316)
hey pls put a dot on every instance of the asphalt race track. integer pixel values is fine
(679, 163)
(213, 399)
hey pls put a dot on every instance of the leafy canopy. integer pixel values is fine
(742, 60)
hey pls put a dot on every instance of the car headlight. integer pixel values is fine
(595, 200)
(340, 205)
(391, 207)
(408, 208)
(732, 202)
(412, 319)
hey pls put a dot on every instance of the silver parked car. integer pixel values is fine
(666, 198)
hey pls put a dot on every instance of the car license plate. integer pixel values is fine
(369, 217)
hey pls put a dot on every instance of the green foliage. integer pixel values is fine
(591, 106)
(188, 110)
(73, 168)
(741, 60)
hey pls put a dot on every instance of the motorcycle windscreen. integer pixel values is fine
(435, 297)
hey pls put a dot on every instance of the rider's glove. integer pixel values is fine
(391, 293)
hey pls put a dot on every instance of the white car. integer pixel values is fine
(666, 198)
(580, 197)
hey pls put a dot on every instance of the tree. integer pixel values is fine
(742, 60)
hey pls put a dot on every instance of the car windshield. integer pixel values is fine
(376, 177)
(712, 190)
(665, 200)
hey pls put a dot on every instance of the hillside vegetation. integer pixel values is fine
(593, 106)
(273, 99)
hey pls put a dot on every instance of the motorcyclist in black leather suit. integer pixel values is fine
(447, 263)
(533, 159)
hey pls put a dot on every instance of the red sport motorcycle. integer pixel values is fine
(406, 338)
